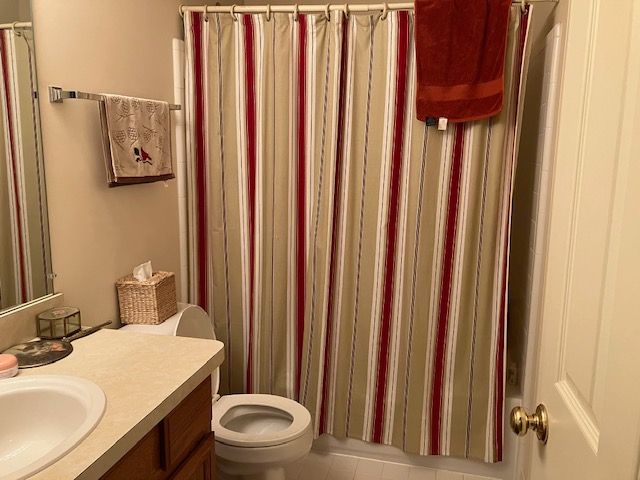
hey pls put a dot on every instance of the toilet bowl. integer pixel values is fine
(256, 435)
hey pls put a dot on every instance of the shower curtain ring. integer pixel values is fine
(327, 12)
(385, 11)
(295, 12)
(180, 11)
(232, 11)
(204, 12)
(267, 14)
(346, 10)
(523, 6)
(13, 29)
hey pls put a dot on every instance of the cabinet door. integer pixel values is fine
(143, 462)
(177, 447)
(201, 463)
(186, 426)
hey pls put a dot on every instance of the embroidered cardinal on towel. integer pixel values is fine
(142, 156)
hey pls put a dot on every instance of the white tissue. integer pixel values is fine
(143, 272)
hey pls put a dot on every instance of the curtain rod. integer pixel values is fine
(345, 7)
(14, 25)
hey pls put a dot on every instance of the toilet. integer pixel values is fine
(256, 435)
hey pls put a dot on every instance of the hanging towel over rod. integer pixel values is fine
(57, 95)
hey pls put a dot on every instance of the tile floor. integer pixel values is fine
(321, 466)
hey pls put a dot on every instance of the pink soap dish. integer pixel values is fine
(8, 365)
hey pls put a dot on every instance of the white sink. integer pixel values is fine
(42, 417)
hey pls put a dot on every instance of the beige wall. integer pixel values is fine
(98, 233)
(14, 10)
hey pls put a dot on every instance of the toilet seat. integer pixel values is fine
(223, 414)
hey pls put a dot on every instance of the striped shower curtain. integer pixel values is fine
(352, 258)
(16, 285)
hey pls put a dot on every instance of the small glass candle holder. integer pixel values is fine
(58, 322)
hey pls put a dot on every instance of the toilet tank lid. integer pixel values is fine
(193, 321)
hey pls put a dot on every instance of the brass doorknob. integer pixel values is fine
(521, 422)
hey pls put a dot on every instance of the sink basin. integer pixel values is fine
(42, 417)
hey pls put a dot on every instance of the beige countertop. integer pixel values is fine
(143, 377)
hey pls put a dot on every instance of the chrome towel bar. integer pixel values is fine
(58, 95)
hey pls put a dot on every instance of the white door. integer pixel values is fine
(589, 359)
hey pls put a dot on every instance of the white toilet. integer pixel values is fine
(256, 435)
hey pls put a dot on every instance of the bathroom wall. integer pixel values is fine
(14, 10)
(98, 233)
(531, 212)
(528, 184)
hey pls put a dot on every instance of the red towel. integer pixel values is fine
(460, 52)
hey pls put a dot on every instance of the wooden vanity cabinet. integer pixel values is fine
(180, 447)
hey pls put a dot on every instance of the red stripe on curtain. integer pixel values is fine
(301, 187)
(392, 222)
(200, 161)
(500, 350)
(14, 179)
(445, 289)
(334, 224)
(250, 103)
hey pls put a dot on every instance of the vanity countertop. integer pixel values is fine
(143, 376)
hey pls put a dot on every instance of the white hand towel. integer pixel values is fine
(136, 137)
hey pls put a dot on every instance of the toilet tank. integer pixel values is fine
(190, 321)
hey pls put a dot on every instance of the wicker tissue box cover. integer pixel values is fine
(147, 302)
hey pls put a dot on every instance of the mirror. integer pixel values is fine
(24, 235)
